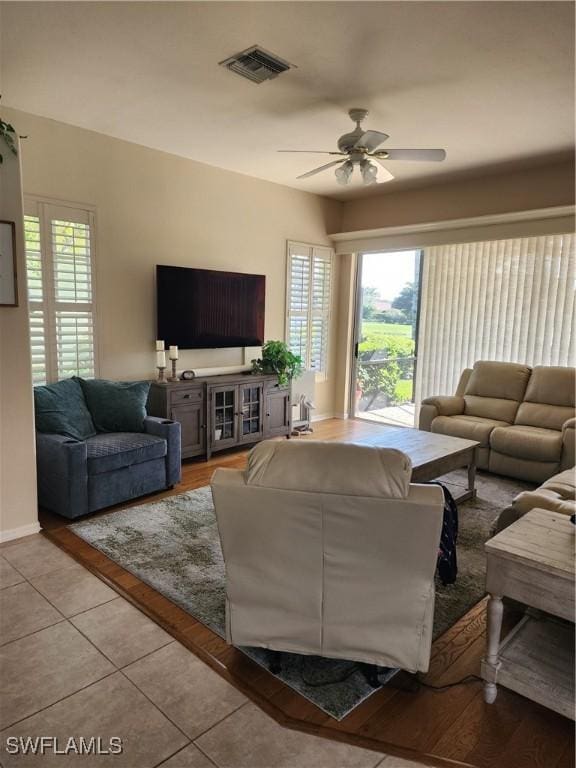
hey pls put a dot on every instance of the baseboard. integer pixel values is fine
(341, 415)
(322, 416)
(18, 533)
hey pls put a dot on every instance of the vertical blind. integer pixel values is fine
(309, 287)
(508, 300)
(59, 264)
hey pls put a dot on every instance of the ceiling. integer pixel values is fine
(491, 82)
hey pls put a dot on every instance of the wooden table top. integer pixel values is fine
(423, 448)
(542, 539)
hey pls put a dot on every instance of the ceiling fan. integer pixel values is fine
(360, 148)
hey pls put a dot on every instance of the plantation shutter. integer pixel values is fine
(309, 287)
(299, 260)
(36, 299)
(59, 251)
(509, 300)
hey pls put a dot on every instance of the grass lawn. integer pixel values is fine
(403, 391)
(373, 331)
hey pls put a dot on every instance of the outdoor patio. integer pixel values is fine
(394, 415)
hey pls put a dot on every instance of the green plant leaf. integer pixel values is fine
(278, 359)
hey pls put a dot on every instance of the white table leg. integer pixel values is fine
(490, 666)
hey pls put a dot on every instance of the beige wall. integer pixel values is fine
(542, 187)
(18, 509)
(155, 208)
(345, 333)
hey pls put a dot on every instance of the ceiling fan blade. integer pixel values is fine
(430, 155)
(370, 140)
(384, 174)
(311, 151)
(321, 168)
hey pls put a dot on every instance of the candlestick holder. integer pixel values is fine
(173, 377)
(161, 369)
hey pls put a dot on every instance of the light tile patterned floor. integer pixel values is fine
(78, 660)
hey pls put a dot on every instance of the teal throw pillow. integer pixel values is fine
(61, 409)
(116, 406)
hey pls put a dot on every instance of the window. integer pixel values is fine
(309, 287)
(510, 300)
(59, 265)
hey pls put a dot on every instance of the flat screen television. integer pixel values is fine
(205, 308)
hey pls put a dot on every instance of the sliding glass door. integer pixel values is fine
(385, 337)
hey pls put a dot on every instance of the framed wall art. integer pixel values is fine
(8, 279)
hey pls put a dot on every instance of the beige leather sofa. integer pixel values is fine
(522, 417)
(557, 494)
(330, 550)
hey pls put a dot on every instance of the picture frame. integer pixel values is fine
(8, 272)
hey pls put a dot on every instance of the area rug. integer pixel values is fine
(173, 546)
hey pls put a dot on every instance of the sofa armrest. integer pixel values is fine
(441, 405)
(542, 498)
(62, 469)
(568, 444)
(170, 431)
(223, 476)
(508, 516)
(446, 405)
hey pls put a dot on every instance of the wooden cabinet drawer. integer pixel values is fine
(192, 395)
(272, 385)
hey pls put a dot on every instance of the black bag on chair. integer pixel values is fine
(447, 562)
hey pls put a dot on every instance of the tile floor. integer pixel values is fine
(78, 660)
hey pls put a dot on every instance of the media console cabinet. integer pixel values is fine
(218, 412)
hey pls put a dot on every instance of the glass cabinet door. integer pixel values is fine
(224, 415)
(251, 410)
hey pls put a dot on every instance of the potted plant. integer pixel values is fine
(277, 358)
(8, 134)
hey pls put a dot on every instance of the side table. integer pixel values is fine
(532, 561)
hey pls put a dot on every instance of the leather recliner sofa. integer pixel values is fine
(558, 495)
(523, 418)
(330, 550)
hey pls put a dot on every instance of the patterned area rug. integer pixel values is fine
(173, 546)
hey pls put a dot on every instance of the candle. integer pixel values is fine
(161, 358)
(159, 346)
(173, 354)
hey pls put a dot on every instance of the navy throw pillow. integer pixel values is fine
(61, 409)
(116, 406)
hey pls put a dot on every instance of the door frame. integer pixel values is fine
(357, 324)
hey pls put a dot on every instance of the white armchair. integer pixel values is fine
(329, 550)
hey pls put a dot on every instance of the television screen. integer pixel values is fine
(204, 308)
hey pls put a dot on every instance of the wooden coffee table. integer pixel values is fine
(432, 455)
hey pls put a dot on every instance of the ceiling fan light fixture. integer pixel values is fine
(369, 172)
(361, 148)
(344, 173)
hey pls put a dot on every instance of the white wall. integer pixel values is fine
(156, 208)
(18, 509)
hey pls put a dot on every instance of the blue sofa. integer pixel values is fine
(79, 476)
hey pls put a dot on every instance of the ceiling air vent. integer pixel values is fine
(256, 64)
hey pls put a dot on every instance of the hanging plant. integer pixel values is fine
(8, 134)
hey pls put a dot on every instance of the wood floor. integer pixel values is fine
(449, 727)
